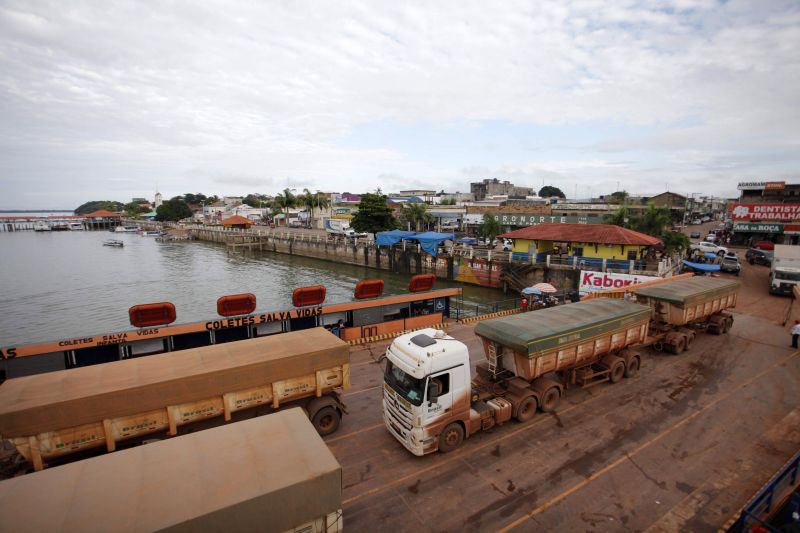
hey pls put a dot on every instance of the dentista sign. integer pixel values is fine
(766, 212)
(602, 281)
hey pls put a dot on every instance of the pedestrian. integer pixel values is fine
(523, 304)
(795, 333)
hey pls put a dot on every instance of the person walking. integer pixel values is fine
(795, 333)
(523, 304)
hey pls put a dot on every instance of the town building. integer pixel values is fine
(766, 211)
(158, 200)
(586, 242)
(237, 221)
(495, 187)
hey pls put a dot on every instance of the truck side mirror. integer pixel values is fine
(433, 392)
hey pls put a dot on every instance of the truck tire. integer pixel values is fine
(550, 400)
(326, 420)
(451, 438)
(678, 346)
(633, 367)
(617, 371)
(527, 408)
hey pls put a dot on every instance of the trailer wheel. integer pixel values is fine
(633, 367)
(551, 399)
(658, 346)
(451, 438)
(527, 408)
(617, 371)
(678, 346)
(326, 420)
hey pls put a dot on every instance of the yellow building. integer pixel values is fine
(602, 241)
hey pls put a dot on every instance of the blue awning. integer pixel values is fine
(390, 238)
(430, 240)
(701, 266)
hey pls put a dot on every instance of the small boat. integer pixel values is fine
(126, 229)
(60, 226)
(151, 233)
(76, 226)
(41, 225)
(114, 242)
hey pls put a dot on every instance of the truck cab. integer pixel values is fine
(783, 279)
(426, 389)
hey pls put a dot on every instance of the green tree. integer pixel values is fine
(195, 199)
(489, 228)
(211, 200)
(373, 214)
(256, 200)
(133, 209)
(622, 217)
(676, 241)
(173, 210)
(96, 205)
(619, 197)
(415, 215)
(448, 201)
(549, 191)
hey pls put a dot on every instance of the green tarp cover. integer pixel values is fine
(689, 291)
(542, 330)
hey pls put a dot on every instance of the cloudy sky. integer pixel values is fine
(109, 100)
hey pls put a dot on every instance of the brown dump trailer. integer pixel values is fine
(582, 343)
(682, 308)
(56, 414)
(271, 473)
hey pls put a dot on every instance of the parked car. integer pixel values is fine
(755, 256)
(711, 238)
(697, 221)
(508, 245)
(730, 264)
(695, 235)
(764, 245)
(706, 219)
(709, 247)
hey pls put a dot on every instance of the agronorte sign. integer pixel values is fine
(770, 212)
(601, 281)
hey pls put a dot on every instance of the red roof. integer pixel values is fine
(593, 233)
(236, 220)
(102, 213)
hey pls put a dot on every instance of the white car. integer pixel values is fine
(508, 245)
(709, 247)
(711, 238)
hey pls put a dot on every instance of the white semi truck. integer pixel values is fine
(785, 271)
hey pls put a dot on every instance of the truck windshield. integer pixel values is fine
(789, 276)
(409, 387)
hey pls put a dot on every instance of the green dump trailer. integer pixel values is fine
(681, 308)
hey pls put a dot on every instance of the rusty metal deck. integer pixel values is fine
(682, 446)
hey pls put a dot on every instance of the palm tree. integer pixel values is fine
(283, 201)
(654, 220)
(415, 214)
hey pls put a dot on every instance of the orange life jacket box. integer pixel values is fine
(305, 296)
(421, 282)
(368, 288)
(158, 314)
(236, 304)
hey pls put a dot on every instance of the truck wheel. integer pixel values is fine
(451, 438)
(617, 371)
(633, 367)
(527, 408)
(551, 399)
(678, 346)
(326, 420)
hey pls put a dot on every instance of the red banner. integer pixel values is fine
(771, 212)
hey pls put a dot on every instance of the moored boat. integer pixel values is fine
(76, 226)
(41, 225)
(114, 242)
(126, 229)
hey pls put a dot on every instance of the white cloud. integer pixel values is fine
(217, 94)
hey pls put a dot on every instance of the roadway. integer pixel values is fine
(682, 446)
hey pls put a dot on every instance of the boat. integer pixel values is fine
(41, 225)
(126, 229)
(60, 226)
(114, 242)
(151, 233)
(76, 226)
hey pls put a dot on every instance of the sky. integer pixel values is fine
(115, 100)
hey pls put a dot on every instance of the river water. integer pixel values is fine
(67, 284)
